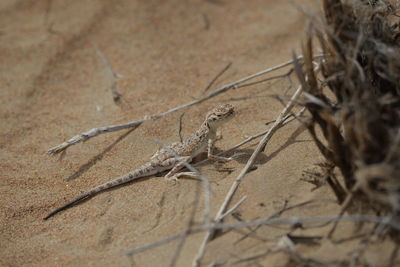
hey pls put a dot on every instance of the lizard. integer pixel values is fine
(171, 158)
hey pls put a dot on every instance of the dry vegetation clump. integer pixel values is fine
(356, 103)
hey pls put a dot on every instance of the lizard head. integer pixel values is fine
(220, 115)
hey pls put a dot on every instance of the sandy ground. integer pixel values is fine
(54, 86)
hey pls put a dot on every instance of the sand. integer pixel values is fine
(54, 85)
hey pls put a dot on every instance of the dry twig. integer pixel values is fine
(114, 76)
(360, 123)
(112, 128)
(269, 221)
(217, 76)
(239, 178)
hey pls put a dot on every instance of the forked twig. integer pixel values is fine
(234, 207)
(96, 131)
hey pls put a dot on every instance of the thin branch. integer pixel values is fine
(267, 79)
(206, 21)
(47, 12)
(282, 65)
(189, 226)
(114, 91)
(107, 63)
(159, 243)
(239, 178)
(394, 255)
(234, 207)
(270, 221)
(112, 128)
(345, 206)
(217, 76)
(178, 249)
(386, 220)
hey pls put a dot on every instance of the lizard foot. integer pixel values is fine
(224, 159)
(187, 174)
(221, 159)
(173, 178)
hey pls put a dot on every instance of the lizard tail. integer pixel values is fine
(118, 181)
(69, 204)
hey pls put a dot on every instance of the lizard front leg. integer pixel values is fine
(210, 148)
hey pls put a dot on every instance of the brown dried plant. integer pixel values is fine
(356, 99)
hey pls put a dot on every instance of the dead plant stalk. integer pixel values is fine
(249, 164)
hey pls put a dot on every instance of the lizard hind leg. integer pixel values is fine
(180, 164)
